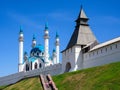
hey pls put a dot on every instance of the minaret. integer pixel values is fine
(46, 41)
(33, 41)
(57, 47)
(54, 57)
(20, 50)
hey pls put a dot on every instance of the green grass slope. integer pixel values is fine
(26, 84)
(98, 78)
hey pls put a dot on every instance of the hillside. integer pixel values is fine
(98, 78)
(26, 84)
(105, 77)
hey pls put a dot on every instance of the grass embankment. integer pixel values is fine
(98, 78)
(26, 84)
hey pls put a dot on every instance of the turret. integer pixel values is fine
(21, 39)
(33, 41)
(54, 57)
(46, 41)
(25, 56)
(57, 47)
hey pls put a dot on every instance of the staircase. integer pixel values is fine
(47, 82)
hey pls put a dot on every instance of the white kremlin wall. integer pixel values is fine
(11, 79)
(102, 54)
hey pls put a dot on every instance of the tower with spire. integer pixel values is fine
(46, 45)
(21, 40)
(57, 44)
(54, 56)
(82, 35)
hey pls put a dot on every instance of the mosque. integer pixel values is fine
(39, 55)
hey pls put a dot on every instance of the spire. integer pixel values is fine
(34, 37)
(57, 36)
(46, 26)
(82, 14)
(54, 50)
(82, 18)
(25, 53)
(21, 31)
(82, 34)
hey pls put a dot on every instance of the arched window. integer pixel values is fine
(40, 65)
(27, 67)
(31, 65)
(35, 66)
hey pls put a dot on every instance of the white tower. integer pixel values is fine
(33, 41)
(46, 41)
(20, 68)
(54, 57)
(57, 47)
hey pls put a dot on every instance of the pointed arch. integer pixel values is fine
(35, 66)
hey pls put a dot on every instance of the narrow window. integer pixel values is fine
(106, 49)
(35, 66)
(110, 47)
(27, 67)
(101, 50)
(116, 46)
(40, 65)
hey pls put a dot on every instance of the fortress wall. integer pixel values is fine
(103, 55)
(11, 79)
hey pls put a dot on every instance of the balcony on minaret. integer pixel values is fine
(21, 39)
(46, 36)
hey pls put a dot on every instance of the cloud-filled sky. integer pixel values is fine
(32, 15)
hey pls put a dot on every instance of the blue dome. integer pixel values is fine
(40, 47)
(37, 50)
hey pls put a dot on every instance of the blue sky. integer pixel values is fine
(31, 15)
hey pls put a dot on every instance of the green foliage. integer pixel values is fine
(105, 77)
(26, 84)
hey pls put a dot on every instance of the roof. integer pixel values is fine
(82, 34)
(33, 59)
(21, 31)
(82, 14)
(105, 43)
(57, 36)
(40, 47)
(46, 26)
(34, 37)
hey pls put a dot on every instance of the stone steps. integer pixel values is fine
(47, 82)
